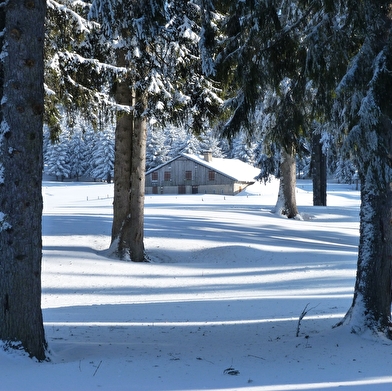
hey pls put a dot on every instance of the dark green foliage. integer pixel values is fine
(76, 70)
(262, 63)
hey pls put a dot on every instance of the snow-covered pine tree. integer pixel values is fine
(210, 142)
(78, 151)
(345, 170)
(157, 44)
(363, 109)
(261, 60)
(57, 159)
(243, 147)
(157, 152)
(172, 135)
(76, 76)
(134, 32)
(349, 59)
(101, 165)
(189, 144)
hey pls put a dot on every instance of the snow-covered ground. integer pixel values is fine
(217, 308)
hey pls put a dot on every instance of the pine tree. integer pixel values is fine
(345, 170)
(189, 144)
(76, 71)
(156, 46)
(261, 61)
(210, 142)
(77, 154)
(243, 148)
(58, 158)
(102, 157)
(364, 112)
(157, 152)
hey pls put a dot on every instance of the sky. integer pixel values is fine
(218, 306)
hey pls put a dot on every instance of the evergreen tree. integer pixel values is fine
(76, 72)
(157, 46)
(157, 151)
(102, 157)
(58, 158)
(210, 142)
(189, 144)
(345, 170)
(243, 148)
(174, 140)
(364, 112)
(261, 61)
(77, 154)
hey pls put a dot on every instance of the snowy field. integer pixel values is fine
(217, 308)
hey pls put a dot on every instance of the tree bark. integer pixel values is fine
(319, 172)
(286, 203)
(129, 174)
(134, 240)
(21, 323)
(371, 306)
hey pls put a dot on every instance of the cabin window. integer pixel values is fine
(188, 175)
(167, 176)
(211, 175)
(154, 175)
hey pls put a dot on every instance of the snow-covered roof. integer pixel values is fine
(233, 168)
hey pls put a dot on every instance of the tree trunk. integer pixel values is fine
(135, 239)
(129, 175)
(21, 136)
(371, 307)
(319, 172)
(286, 203)
(122, 160)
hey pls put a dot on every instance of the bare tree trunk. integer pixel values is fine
(371, 307)
(286, 203)
(21, 176)
(319, 172)
(134, 240)
(122, 160)
(129, 175)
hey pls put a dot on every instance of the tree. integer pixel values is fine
(243, 148)
(58, 158)
(102, 156)
(210, 142)
(76, 74)
(22, 71)
(78, 154)
(156, 50)
(319, 172)
(134, 32)
(349, 59)
(188, 144)
(157, 151)
(261, 61)
(364, 112)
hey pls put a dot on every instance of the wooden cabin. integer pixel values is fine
(192, 174)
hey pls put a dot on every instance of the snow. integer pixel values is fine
(217, 308)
